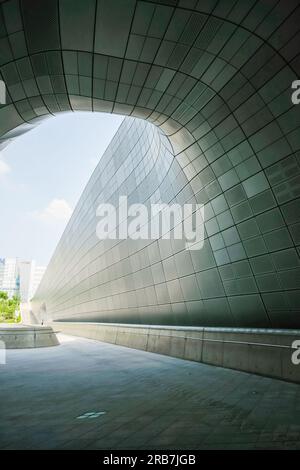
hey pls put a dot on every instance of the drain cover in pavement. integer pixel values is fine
(91, 415)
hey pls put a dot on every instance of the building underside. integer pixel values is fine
(213, 80)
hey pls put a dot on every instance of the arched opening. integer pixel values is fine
(218, 85)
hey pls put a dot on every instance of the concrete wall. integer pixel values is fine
(19, 337)
(27, 315)
(264, 352)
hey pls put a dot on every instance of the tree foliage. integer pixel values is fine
(9, 307)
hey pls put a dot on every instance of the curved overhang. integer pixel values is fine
(216, 78)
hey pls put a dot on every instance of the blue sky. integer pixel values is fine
(42, 175)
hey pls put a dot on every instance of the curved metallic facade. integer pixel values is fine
(215, 78)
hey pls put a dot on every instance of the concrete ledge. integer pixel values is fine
(23, 336)
(260, 351)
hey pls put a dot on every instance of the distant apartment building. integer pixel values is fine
(19, 277)
(25, 270)
(37, 275)
(9, 276)
(2, 267)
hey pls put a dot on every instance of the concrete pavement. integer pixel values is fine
(84, 394)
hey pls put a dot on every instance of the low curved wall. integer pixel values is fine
(19, 337)
(260, 351)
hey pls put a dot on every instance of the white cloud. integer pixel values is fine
(58, 210)
(4, 168)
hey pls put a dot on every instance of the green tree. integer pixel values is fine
(3, 295)
(8, 307)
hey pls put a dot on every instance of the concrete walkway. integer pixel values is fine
(146, 401)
